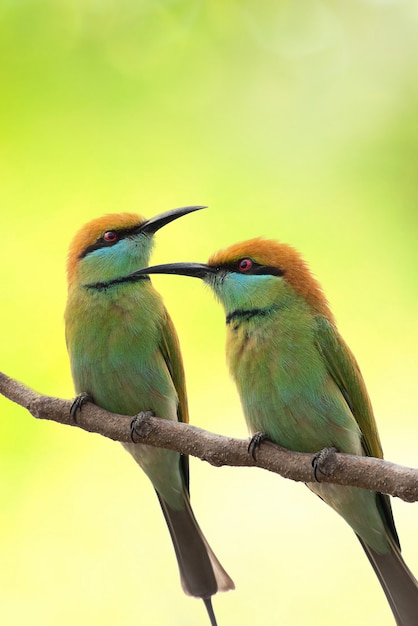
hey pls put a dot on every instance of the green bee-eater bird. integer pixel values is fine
(125, 356)
(301, 387)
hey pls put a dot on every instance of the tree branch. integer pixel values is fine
(341, 469)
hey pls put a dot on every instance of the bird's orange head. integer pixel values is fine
(267, 257)
(100, 233)
(113, 245)
(254, 274)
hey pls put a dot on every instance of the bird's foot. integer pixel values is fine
(255, 443)
(323, 462)
(78, 403)
(136, 424)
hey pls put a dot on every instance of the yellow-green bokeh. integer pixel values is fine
(294, 120)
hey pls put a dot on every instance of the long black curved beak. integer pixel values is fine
(198, 270)
(155, 223)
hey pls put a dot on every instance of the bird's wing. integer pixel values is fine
(170, 349)
(344, 369)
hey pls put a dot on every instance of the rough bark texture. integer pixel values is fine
(342, 469)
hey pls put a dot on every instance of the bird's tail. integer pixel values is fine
(398, 583)
(200, 571)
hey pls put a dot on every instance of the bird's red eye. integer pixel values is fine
(244, 265)
(110, 236)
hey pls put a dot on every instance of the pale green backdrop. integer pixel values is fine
(294, 120)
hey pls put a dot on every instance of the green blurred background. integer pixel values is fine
(294, 120)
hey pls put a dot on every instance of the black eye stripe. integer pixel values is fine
(121, 233)
(256, 269)
(267, 269)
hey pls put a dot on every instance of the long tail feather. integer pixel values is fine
(201, 573)
(209, 608)
(398, 583)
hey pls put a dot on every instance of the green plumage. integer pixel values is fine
(295, 399)
(300, 386)
(125, 354)
(116, 345)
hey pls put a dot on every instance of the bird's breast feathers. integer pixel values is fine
(285, 386)
(115, 355)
